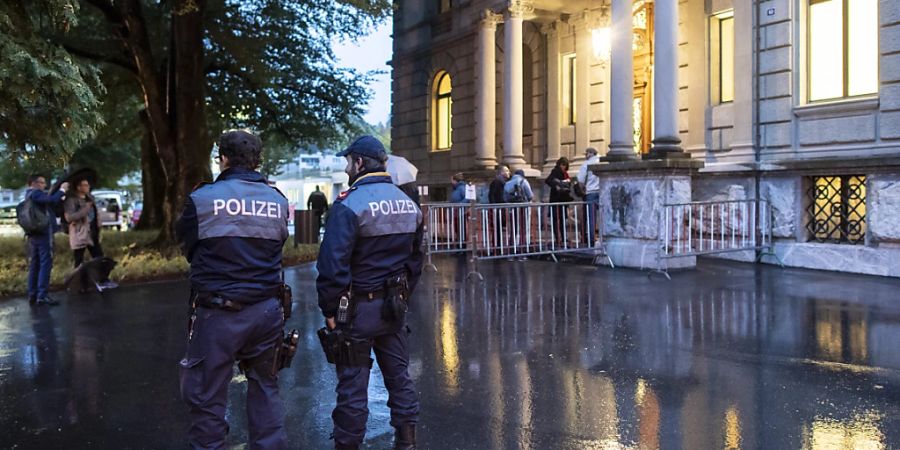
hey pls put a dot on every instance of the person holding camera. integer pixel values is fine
(232, 232)
(369, 262)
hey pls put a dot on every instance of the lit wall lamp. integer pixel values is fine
(602, 44)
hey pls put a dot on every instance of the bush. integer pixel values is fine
(137, 260)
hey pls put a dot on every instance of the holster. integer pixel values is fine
(343, 350)
(277, 357)
(396, 298)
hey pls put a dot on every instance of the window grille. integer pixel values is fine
(837, 209)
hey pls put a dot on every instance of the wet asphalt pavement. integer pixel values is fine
(539, 356)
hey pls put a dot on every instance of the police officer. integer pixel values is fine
(232, 232)
(371, 246)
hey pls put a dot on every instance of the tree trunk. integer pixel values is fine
(188, 101)
(152, 180)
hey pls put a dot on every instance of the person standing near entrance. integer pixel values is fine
(591, 183)
(318, 203)
(369, 263)
(40, 242)
(232, 232)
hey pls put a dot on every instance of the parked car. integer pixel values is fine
(109, 207)
(136, 213)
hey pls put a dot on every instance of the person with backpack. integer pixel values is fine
(517, 189)
(35, 216)
(84, 230)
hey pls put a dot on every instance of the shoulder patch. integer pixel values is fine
(344, 194)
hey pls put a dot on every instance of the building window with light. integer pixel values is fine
(721, 35)
(444, 6)
(568, 89)
(443, 112)
(842, 48)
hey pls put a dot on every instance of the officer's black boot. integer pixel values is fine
(405, 437)
(345, 447)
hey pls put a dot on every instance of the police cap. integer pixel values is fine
(366, 146)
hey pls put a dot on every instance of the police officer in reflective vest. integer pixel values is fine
(232, 232)
(369, 261)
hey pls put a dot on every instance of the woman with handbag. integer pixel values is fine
(560, 192)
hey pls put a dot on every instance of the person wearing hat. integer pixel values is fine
(369, 262)
(232, 232)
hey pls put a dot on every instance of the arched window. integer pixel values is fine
(443, 112)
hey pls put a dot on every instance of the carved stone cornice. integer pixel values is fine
(489, 19)
(589, 19)
(551, 29)
(520, 9)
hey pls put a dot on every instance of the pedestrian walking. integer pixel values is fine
(560, 192)
(318, 203)
(591, 184)
(369, 263)
(232, 232)
(35, 215)
(84, 230)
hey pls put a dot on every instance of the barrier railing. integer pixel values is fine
(447, 227)
(514, 230)
(704, 228)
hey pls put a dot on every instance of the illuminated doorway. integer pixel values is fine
(643, 76)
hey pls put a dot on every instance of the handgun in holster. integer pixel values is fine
(276, 358)
(396, 298)
(343, 350)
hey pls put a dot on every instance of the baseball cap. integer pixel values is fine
(366, 146)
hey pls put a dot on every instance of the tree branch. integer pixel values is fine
(121, 62)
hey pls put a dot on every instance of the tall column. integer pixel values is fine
(486, 92)
(512, 86)
(621, 87)
(584, 55)
(551, 30)
(742, 137)
(666, 142)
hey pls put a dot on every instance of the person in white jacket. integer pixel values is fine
(591, 183)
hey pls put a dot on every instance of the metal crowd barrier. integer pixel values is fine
(446, 227)
(705, 228)
(514, 230)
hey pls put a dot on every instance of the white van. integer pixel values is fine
(111, 208)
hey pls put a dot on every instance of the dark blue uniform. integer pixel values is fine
(374, 232)
(232, 233)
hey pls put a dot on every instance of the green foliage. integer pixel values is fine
(138, 260)
(48, 99)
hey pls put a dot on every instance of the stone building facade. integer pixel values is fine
(795, 102)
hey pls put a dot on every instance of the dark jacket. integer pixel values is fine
(374, 232)
(560, 186)
(45, 202)
(232, 232)
(317, 202)
(495, 192)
